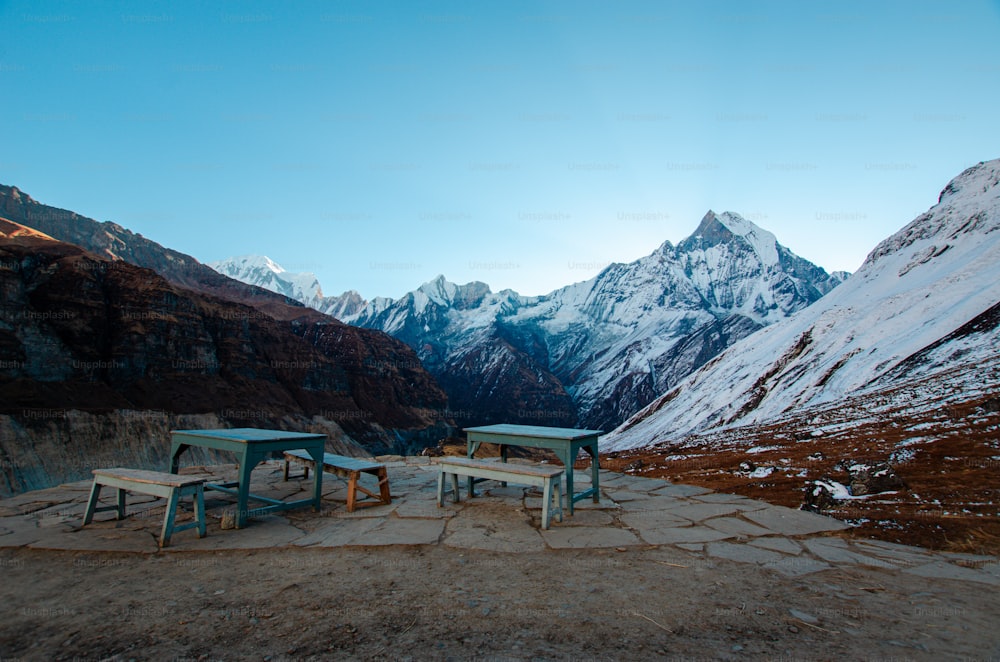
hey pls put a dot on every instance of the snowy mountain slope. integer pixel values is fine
(612, 339)
(264, 272)
(594, 352)
(920, 303)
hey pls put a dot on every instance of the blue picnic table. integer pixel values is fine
(252, 446)
(565, 442)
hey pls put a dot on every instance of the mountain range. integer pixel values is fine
(592, 353)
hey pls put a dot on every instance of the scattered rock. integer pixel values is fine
(873, 478)
(228, 519)
(634, 466)
(819, 495)
(747, 465)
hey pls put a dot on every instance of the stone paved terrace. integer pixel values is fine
(633, 513)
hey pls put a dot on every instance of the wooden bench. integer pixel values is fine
(168, 486)
(548, 478)
(350, 468)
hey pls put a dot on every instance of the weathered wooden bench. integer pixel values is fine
(548, 478)
(168, 486)
(350, 468)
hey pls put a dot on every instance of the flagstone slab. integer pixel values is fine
(97, 539)
(741, 553)
(944, 570)
(579, 518)
(697, 512)
(790, 522)
(606, 502)
(22, 531)
(687, 534)
(398, 531)
(583, 537)
(691, 546)
(899, 554)
(651, 504)
(836, 551)
(427, 509)
(380, 510)
(720, 497)
(493, 526)
(653, 519)
(263, 533)
(651, 484)
(337, 533)
(736, 526)
(679, 490)
(797, 566)
(778, 544)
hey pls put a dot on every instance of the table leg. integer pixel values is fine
(503, 458)
(470, 451)
(567, 456)
(317, 456)
(242, 497)
(595, 468)
(176, 450)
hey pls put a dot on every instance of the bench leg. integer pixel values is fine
(284, 473)
(95, 494)
(168, 518)
(454, 488)
(352, 491)
(199, 510)
(557, 508)
(546, 500)
(121, 503)
(383, 485)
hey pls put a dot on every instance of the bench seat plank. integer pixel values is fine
(150, 477)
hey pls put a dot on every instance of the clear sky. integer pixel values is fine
(523, 144)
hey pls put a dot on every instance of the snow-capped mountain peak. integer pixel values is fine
(923, 304)
(723, 228)
(262, 271)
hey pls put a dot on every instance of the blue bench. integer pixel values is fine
(168, 486)
(548, 478)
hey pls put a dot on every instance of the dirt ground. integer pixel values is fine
(437, 603)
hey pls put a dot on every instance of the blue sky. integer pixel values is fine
(523, 144)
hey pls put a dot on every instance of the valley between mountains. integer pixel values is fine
(725, 360)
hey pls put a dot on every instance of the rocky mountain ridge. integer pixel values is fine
(92, 343)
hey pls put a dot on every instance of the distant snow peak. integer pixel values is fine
(764, 243)
(264, 272)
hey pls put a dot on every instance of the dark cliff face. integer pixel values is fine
(495, 382)
(81, 332)
(111, 241)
